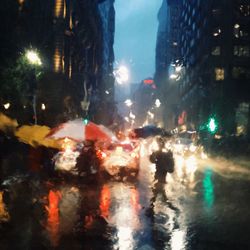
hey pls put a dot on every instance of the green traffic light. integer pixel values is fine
(85, 121)
(212, 125)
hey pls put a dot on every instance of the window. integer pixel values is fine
(217, 31)
(219, 74)
(243, 51)
(241, 73)
(216, 51)
(241, 31)
(244, 9)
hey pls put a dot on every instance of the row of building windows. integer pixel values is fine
(238, 50)
(239, 31)
(244, 9)
(237, 73)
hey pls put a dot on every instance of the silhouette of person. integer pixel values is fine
(164, 163)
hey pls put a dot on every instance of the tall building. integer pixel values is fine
(167, 58)
(75, 42)
(215, 47)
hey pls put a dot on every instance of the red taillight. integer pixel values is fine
(134, 155)
(100, 154)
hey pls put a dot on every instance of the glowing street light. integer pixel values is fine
(173, 76)
(43, 107)
(178, 68)
(121, 75)
(128, 102)
(157, 103)
(151, 115)
(6, 105)
(33, 57)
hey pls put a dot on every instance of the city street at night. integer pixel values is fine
(207, 207)
(125, 125)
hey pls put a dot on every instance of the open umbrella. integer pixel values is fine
(79, 130)
(149, 130)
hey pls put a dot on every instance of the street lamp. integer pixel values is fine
(33, 57)
(121, 74)
(34, 60)
(157, 103)
(128, 102)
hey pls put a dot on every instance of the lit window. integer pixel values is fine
(244, 9)
(219, 74)
(240, 73)
(216, 51)
(237, 30)
(216, 32)
(240, 31)
(59, 8)
(57, 60)
(243, 51)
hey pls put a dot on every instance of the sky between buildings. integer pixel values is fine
(135, 36)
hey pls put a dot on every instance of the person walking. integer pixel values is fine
(164, 162)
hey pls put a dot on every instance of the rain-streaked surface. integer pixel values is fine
(207, 207)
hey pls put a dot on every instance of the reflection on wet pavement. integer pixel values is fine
(195, 210)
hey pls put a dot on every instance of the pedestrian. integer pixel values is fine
(164, 163)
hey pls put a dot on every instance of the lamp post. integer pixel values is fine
(34, 60)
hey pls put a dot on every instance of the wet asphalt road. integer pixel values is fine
(207, 207)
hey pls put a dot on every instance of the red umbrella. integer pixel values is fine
(78, 130)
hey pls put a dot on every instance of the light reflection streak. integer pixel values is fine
(124, 215)
(4, 215)
(208, 188)
(53, 219)
(105, 201)
(178, 240)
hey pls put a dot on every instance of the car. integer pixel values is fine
(184, 146)
(120, 160)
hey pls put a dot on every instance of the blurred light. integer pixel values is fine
(191, 165)
(173, 76)
(203, 156)
(151, 115)
(43, 107)
(107, 92)
(85, 121)
(6, 105)
(126, 119)
(33, 57)
(157, 103)
(178, 240)
(128, 102)
(208, 188)
(131, 115)
(121, 75)
(192, 148)
(236, 26)
(178, 68)
(212, 125)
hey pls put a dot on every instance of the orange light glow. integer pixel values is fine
(53, 220)
(119, 150)
(57, 60)
(135, 199)
(59, 8)
(105, 201)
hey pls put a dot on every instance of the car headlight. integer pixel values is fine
(192, 148)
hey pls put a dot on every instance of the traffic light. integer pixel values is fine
(85, 121)
(212, 125)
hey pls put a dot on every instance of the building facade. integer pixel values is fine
(216, 54)
(75, 41)
(212, 39)
(167, 59)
